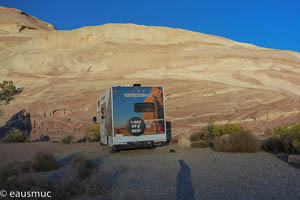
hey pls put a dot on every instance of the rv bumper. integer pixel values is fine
(130, 145)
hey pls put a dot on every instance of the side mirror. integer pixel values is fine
(95, 120)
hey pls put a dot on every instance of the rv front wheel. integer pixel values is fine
(113, 149)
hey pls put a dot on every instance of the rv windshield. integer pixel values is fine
(144, 107)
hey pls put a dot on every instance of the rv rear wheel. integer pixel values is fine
(113, 149)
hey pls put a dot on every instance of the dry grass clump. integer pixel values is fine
(67, 139)
(82, 167)
(81, 180)
(72, 186)
(243, 141)
(93, 134)
(16, 136)
(13, 169)
(44, 161)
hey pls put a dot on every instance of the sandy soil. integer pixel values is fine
(185, 174)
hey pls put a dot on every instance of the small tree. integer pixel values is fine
(7, 91)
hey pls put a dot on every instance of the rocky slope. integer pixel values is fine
(63, 73)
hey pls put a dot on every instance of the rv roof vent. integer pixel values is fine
(136, 85)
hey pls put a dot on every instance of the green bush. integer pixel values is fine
(289, 137)
(67, 139)
(213, 130)
(44, 161)
(16, 136)
(82, 167)
(93, 134)
(243, 141)
(7, 91)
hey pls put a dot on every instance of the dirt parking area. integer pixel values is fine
(185, 174)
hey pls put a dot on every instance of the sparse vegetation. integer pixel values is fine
(67, 139)
(72, 186)
(7, 91)
(93, 134)
(44, 161)
(82, 178)
(214, 130)
(16, 136)
(82, 167)
(229, 137)
(243, 141)
(288, 137)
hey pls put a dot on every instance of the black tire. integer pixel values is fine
(113, 149)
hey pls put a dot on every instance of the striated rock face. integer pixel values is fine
(64, 72)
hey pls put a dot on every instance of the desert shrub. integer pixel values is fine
(246, 142)
(44, 161)
(273, 144)
(67, 139)
(291, 142)
(289, 137)
(199, 144)
(224, 143)
(212, 130)
(16, 136)
(269, 131)
(243, 141)
(72, 186)
(6, 172)
(7, 91)
(13, 169)
(82, 167)
(93, 134)
(229, 128)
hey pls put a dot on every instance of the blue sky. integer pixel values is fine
(266, 23)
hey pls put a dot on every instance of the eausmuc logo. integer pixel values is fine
(3, 193)
(26, 194)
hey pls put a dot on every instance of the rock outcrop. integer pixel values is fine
(64, 72)
(20, 120)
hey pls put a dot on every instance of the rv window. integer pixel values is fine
(144, 107)
(103, 111)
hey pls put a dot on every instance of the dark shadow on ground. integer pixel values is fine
(285, 159)
(112, 177)
(184, 186)
(68, 160)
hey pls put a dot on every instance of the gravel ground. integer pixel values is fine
(186, 174)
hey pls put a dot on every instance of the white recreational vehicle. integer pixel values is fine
(132, 116)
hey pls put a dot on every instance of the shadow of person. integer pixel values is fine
(184, 186)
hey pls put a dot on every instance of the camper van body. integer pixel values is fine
(132, 116)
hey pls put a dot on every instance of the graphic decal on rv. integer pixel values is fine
(138, 111)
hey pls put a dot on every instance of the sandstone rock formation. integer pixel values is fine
(63, 73)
